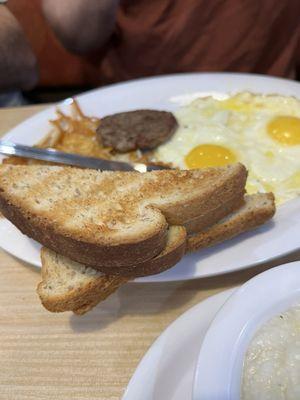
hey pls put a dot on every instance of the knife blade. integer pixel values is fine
(60, 157)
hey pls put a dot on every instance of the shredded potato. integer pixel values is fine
(74, 133)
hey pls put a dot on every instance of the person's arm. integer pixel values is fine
(18, 67)
(81, 25)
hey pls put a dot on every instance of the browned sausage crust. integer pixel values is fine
(140, 129)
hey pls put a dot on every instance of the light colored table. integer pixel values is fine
(47, 356)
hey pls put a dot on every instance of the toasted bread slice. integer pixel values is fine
(208, 219)
(110, 219)
(69, 286)
(258, 209)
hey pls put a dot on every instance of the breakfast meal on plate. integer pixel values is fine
(272, 362)
(260, 131)
(100, 229)
(230, 157)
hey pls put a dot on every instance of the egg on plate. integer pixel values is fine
(260, 131)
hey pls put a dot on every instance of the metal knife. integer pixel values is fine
(12, 149)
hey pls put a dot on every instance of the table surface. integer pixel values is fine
(61, 356)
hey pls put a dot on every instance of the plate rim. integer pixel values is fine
(110, 86)
(174, 279)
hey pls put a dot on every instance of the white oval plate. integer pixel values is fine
(220, 363)
(271, 241)
(166, 371)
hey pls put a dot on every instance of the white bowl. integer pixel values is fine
(220, 364)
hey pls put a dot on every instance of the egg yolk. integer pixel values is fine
(285, 130)
(209, 155)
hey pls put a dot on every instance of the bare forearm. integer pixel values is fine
(81, 25)
(18, 69)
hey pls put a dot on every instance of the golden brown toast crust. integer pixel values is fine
(84, 252)
(202, 222)
(243, 220)
(171, 255)
(217, 192)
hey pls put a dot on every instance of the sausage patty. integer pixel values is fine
(140, 129)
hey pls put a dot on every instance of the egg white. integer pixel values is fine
(239, 123)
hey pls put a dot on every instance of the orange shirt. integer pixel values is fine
(170, 36)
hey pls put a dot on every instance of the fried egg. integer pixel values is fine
(260, 131)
